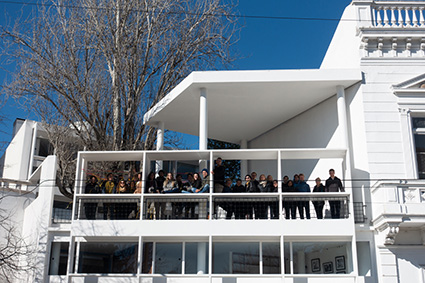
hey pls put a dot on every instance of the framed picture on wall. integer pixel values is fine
(328, 267)
(340, 262)
(315, 265)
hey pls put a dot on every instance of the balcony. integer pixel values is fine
(398, 204)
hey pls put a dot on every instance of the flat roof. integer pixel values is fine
(245, 104)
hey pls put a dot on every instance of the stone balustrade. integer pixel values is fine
(398, 14)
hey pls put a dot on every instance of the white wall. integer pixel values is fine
(314, 128)
(17, 154)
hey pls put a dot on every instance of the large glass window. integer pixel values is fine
(236, 258)
(108, 258)
(321, 257)
(418, 125)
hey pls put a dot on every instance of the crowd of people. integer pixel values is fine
(200, 183)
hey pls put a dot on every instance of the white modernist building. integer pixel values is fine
(362, 113)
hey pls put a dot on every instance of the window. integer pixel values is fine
(236, 258)
(58, 258)
(108, 258)
(418, 125)
(43, 147)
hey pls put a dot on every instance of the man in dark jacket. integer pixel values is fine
(92, 187)
(218, 173)
(303, 187)
(333, 185)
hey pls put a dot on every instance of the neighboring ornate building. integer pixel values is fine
(362, 113)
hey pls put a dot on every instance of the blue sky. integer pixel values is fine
(263, 44)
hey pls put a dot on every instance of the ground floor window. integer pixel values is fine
(233, 256)
(319, 257)
(107, 257)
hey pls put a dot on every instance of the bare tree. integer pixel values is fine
(15, 252)
(98, 65)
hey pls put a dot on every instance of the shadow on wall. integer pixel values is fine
(313, 128)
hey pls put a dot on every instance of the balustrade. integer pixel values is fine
(405, 15)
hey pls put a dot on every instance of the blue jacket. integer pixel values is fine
(303, 187)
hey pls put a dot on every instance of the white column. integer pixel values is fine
(301, 262)
(343, 125)
(203, 120)
(33, 143)
(202, 256)
(244, 163)
(203, 125)
(159, 144)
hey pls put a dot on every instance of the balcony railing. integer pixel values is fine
(399, 15)
(230, 206)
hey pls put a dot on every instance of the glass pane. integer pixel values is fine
(420, 154)
(418, 122)
(236, 258)
(271, 258)
(321, 258)
(58, 258)
(287, 257)
(108, 258)
(196, 258)
(147, 258)
(168, 259)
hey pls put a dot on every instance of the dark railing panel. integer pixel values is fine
(359, 215)
(175, 207)
(107, 208)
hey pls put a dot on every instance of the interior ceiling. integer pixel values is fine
(244, 109)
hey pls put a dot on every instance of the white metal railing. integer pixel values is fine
(398, 14)
(210, 206)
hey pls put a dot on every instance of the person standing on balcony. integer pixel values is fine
(218, 173)
(272, 187)
(261, 207)
(168, 185)
(239, 208)
(334, 185)
(227, 205)
(123, 208)
(303, 187)
(289, 205)
(92, 187)
(109, 187)
(318, 204)
(250, 187)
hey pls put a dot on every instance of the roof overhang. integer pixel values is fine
(244, 104)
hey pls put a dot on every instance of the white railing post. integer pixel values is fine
(386, 20)
(393, 19)
(407, 18)
(378, 17)
(414, 17)
(400, 17)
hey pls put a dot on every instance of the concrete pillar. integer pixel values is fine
(203, 120)
(202, 256)
(159, 144)
(301, 262)
(244, 163)
(343, 125)
(203, 125)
